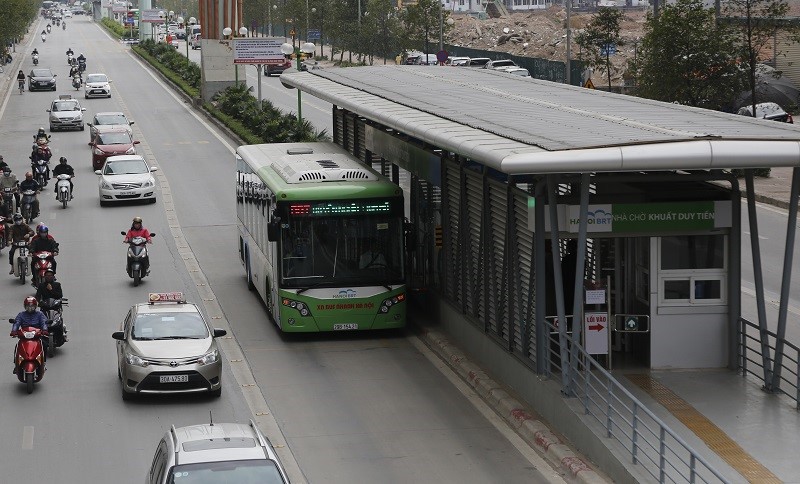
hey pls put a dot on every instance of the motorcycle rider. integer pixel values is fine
(9, 180)
(21, 77)
(44, 241)
(69, 51)
(19, 231)
(41, 152)
(81, 61)
(31, 316)
(64, 168)
(3, 163)
(30, 184)
(41, 133)
(73, 71)
(138, 230)
(50, 289)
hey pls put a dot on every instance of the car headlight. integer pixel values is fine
(105, 185)
(208, 358)
(149, 183)
(130, 151)
(132, 359)
(98, 151)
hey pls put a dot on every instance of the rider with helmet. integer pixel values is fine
(49, 288)
(19, 232)
(9, 180)
(30, 184)
(69, 51)
(31, 316)
(21, 77)
(41, 133)
(63, 168)
(43, 241)
(138, 230)
(81, 62)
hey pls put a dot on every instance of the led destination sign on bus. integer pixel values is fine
(350, 207)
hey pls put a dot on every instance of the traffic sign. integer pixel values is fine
(608, 49)
(441, 56)
(313, 34)
(595, 330)
(588, 84)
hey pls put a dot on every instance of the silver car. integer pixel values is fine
(111, 118)
(166, 346)
(66, 113)
(218, 452)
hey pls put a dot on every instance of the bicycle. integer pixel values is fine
(21, 86)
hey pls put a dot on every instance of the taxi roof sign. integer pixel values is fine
(159, 297)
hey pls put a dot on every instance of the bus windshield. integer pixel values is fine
(342, 250)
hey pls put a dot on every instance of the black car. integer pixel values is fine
(41, 80)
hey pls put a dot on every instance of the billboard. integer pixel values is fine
(151, 16)
(258, 50)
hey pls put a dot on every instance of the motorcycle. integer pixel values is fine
(81, 65)
(48, 28)
(29, 355)
(53, 310)
(137, 251)
(21, 267)
(63, 191)
(41, 172)
(64, 26)
(42, 261)
(70, 58)
(76, 81)
(2, 233)
(9, 202)
(28, 197)
(36, 59)
(44, 38)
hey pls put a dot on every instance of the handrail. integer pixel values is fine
(650, 442)
(790, 363)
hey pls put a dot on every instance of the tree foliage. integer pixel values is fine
(17, 16)
(687, 57)
(600, 34)
(757, 23)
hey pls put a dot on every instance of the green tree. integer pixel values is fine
(17, 16)
(423, 21)
(600, 34)
(381, 29)
(687, 57)
(758, 23)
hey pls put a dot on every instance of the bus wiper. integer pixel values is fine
(312, 286)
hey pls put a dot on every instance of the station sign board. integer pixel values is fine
(258, 50)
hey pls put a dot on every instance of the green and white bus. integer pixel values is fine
(320, 237)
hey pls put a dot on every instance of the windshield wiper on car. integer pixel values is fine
(312, 286)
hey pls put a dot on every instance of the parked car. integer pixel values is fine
(771, 111)
(41, 79)
(427, 60)
(111, 141)
(216, 452)
(130, 178)
(194, 42)
(478, 61)
(271, 69)
(517, 71)
(411, 57)
(66, 113)
(494, 64)
(97, 85)
(457, 61)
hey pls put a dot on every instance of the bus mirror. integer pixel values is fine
(274, 229)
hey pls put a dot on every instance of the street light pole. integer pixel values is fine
(192, 21)
(288, 49)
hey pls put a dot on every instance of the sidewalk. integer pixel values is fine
(774, 190)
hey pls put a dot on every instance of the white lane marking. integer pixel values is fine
(537, 461)
(27, 437)
(760, 236)
(773, 302)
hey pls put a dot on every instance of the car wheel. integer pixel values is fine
(216, 393)
(103, 204)
(86, 96)
(82, 127)
(52, 128)
(54, 88)
(109, 96)
(127, 396)
(152, 200)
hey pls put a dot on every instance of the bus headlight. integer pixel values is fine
(300, 307)
(387, 303)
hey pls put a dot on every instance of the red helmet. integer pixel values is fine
(31, 303)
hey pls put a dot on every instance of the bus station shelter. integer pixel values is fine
(533, 203)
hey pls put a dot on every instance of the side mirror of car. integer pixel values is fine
(136, 142)
(274, 229)
(47, 110)
(217, 332)
(123, 232)
(90, 125)
(11, 320)
(153, 168)
(118, 335)
(90, 143)
(152, 234)
(131, 123)
(83, 109)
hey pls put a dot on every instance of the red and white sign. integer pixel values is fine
(595, 331)
(165, 297)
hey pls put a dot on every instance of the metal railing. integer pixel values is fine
(751, 359)
(650, 443)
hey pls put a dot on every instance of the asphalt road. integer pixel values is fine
(351, 408)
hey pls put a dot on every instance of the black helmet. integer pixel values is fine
(63, 160)
(18, 219)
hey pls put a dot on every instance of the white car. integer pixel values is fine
(126, 178)
(517, 71)
(97, 85)
(67, 14)
(110, 118)
(66, 113)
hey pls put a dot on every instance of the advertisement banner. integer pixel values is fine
(258, 50)
(150, 16)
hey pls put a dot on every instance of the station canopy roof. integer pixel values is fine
(528, 126)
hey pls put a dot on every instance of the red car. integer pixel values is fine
(110, 141)
(271, 69)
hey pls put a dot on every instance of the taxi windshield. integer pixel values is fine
(163, 325)
(65, 106)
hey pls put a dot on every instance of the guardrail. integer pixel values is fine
(651, 444)
(751, 359)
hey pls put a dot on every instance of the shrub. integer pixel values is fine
(118, 30)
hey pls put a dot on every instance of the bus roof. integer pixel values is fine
(314, 171)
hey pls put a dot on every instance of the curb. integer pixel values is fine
(534, 432)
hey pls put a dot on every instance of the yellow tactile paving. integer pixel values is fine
(713, 436)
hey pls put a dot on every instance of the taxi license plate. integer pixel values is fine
(338, 327)
(173, 379)
(127, 193)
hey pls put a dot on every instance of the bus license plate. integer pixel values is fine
(173, 378)
(337, 327)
